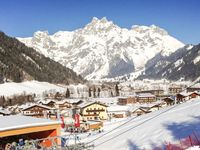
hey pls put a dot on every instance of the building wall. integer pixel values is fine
(119, 114)
(146, 99)
(94, 112)
(174, 90)
(35, 111)
(193, 89)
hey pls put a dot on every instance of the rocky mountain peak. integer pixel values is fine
(103, 49)
(149, 29)
(99, 25)
(41, 34)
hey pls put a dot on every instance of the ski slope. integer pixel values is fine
(148, 131)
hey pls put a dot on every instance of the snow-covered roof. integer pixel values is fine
(132, 95)
(39, 105)
(62, 102)
(19, 121)
(73, 100)
(122, 97)
(46, 101)
(4, 111)
(146, 95)
(170, 97)
(188, 93)
(117, 108)
(87, 103)
(107, 101)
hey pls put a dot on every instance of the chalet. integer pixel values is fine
(48, 102)
(39, 111)
(63, 104)
(146, 98)
(194, 88)
(186, 96)
(127, 100)
(161, 97)
(118, 111)
(74, 102)
(174, 90)
(193, 95)
(154, 92)
(180, 97)
(93, 111)
(169, 100)
(4, 112)
(140, 111)
(155, 107)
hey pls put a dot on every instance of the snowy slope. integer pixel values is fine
(103, 49)
(184, 64)
(154, 129)
(28, 87)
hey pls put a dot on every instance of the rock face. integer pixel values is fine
(102, 49)
(19, 62)
(184, 64)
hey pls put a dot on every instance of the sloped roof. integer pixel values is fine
(141, 95)
(171, 98)
(46, 101)
(39, 105)
(19, 121)
(4, 111)
(85, 104)
(185, 94)
(118, 108)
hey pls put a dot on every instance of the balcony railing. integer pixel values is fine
(95, 110)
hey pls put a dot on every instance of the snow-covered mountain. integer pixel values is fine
(102, 49)
(184, 64)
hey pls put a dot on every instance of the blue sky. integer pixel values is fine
(21, 18)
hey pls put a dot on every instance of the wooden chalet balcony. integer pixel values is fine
(95, 110)
(91, 115)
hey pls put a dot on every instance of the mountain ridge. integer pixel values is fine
(183, 64)
(102, 49)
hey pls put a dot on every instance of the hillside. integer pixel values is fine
(102, 49)
(19, 62)
(151, 130)
(184, 64)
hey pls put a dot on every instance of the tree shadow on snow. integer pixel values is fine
(184, 129)
(132, 146)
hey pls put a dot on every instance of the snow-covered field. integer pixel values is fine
(148, 131)
(28, 87)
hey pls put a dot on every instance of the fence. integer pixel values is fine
(191, 140)
(51, 143)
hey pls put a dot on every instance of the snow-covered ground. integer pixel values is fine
(148, 131)
(28, 87)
